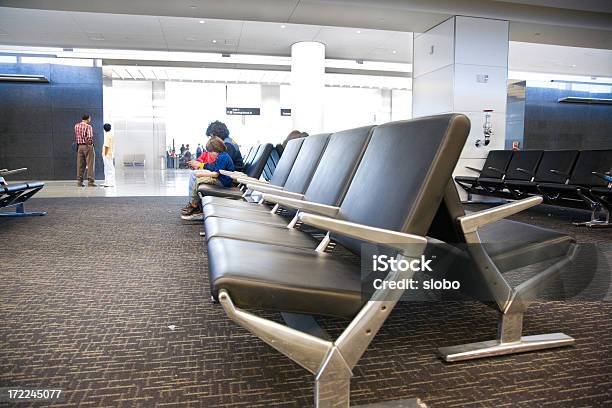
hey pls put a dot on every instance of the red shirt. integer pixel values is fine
(84, 133)
(206, 158)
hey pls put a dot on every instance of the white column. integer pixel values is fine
(270, 114)
(307, 85)
(159, 123)
(461, 65)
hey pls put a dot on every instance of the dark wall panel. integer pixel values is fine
(37, 120)
(553, 125)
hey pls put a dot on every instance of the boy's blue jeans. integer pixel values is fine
(192, 180)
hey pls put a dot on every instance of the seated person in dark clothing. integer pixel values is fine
(219, 129)
(209, 175)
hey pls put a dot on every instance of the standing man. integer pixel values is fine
(85, 151)
(107, 156)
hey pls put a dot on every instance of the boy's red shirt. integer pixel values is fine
(206, 158)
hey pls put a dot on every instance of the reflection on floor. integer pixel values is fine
(130, 182)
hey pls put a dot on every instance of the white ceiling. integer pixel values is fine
(122, 31)
(34, 27)
(581, 23)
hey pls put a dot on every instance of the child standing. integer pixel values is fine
(108, 153)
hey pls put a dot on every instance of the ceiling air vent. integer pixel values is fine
(23, 78)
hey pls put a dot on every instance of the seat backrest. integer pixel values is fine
(403, 174)
(285, 164)
(589, 161)
(559, 160)
(306, 163)
(524, 159)
(259, 160)
(338, 165)
(496, 159)
(279, 149)
(249, 157)
(272, 163)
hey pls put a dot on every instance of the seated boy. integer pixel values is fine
(198, 164)
(209, 175)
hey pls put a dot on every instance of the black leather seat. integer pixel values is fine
(576, 192)
(278, 179)
(252, 169)
(329, 183)
(292, 279)
(554, 167)
(494, 168)
(297, 182)
(522, 167)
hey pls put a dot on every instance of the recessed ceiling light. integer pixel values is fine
(283, 26)
(573, 65)
(190, 39)
(202, 21)
(192, 6)
(395, 52)
(214, 41)
(358, 31)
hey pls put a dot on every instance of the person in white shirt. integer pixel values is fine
(107, 155)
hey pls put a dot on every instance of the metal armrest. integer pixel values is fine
(529, 173)
(251, 180)
(280, 193)
(470, 223)
(328, 210)
(559, 173)
(410, 245)
(473, 169)
(6, 172)
(264, 188)
(603, 176)
(495, 169)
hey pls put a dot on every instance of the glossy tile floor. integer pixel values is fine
(130, 182)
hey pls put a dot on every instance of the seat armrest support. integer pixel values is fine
(495, 169)
(327, 210)
(410, 245)
(473, 169)
(470, 223)
(559, 173)
(604, 176)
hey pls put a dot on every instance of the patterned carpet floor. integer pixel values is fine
(108, 299)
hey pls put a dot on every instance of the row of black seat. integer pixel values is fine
(391, 186)
(571, 178)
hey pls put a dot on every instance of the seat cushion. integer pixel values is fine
(270, 277)
(227, 202)
(254, 232)
(212, 190)
(514, 244)
(244, 214)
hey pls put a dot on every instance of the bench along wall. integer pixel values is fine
(37, 119)
(550, 124)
